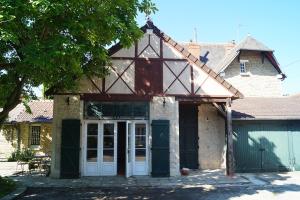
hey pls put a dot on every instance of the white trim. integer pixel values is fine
(99, 169)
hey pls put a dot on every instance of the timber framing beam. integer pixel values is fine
(229, 151)
(220, 109)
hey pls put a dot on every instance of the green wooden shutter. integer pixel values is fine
(160, 148)
(70, 147)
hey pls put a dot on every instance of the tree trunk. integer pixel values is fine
(12, 101)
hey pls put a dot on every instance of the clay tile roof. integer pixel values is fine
(42, 111)
(267, 108)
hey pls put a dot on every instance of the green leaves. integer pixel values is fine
(55, 42)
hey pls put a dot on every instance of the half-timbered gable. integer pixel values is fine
(158, 66)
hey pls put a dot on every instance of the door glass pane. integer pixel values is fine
(129, 141)
(140, 155)
(92, 129)
(140, 141)
(92, 143)
(108, 129)
(108, 155)
(108, 142)
(91, 156)
(140, 129)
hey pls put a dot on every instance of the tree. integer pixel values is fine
(55, 42)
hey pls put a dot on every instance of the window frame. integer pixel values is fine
(36, 141)
(244, 67)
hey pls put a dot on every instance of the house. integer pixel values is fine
(163, 106)
(24, 130)
(266, 124)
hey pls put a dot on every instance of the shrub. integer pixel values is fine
(24, 155)
(6, 186)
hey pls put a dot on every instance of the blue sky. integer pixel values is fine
(276, 23)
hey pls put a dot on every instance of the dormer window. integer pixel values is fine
(243, 68)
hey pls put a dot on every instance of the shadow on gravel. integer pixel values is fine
(206, 193)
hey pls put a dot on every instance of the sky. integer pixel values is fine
(276, 23)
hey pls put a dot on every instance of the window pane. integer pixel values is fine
(91, 156)
(92, 129)
(92, 142)
(108, 129)
(108, 142)
(108, 155)
(140, 129)
(35, 135)
(140, 141)
(140, 155)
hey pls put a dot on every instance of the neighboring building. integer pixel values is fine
(161, 108)
(23, 130)
(266, 124)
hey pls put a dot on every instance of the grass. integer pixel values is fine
(6, 186)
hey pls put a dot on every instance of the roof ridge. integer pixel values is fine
(209, 43)
(192, 58)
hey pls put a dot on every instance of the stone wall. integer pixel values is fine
(211, 130)
(9, 138)
(8, 141)
(169, 112)
(262, 77)
(61, 110)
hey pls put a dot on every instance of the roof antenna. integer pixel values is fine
(195, 35)
(238, 32)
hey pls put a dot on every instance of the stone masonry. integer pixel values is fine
(168, 112)
(61, 110)
(261, 81)
(211, 130)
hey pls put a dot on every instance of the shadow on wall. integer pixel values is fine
(258, 154)
(10, 135)
(46, 139)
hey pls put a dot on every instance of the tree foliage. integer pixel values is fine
(54, 42)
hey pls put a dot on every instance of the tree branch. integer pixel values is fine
(12, 101)
(6, 65)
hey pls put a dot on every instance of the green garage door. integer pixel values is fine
(266, 145)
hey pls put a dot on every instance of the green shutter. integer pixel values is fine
(70, 147)
(160, 148)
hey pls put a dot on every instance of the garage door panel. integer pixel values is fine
(294, 127)
(264, 145)
(275, 144)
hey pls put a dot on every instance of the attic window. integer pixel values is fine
(243, 69)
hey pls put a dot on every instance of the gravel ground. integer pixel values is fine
(288, 192)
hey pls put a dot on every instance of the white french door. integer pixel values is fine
(108, 164)
(100, 148)
(129, 148)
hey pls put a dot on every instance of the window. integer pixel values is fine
(243, 69)
(35, 135)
